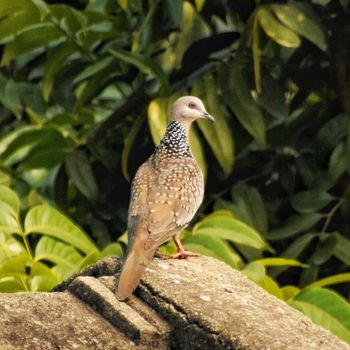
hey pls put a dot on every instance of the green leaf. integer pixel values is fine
(8, 223)
(332, 133)
(293, 251)
(89, 259)
(272, 97)
(299, 22)
(249, 207)
(324, 249)
(12, 284)
(10, 7)
(275, 30)
(255, 271)
(271, 286)
(328, 281)
(67, 16)
(157, 113)
(279, 262)
(123, 4)
(129, 142)
(218, 135)
(294, 225)
(54, 63)
(9, 246)
(215, 246)
(342, 249)
(231, 229)
(44, 156)
(289, 292)
(18, 22)
(54, 251)
(237, 95)
(91, 88)
(35, 37)
(145, 65)
(198, 150)
(311, 201)
(81, 174)
(42, 277)
(9, 201)
(28, 142)
(15, 266)
(5, 179)
(173, 10)
(338, 162)
(45, 220)
(94, 68)
(10, 96)
(327, 309)
(113, 249)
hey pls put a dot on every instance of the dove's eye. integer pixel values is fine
(192, 105)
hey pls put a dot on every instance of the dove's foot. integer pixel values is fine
(181, 252)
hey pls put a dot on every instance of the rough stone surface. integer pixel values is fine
(198, 303)
(53, 321)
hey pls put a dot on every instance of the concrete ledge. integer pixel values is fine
(198, 303)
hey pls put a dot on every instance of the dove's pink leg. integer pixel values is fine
(181, 252)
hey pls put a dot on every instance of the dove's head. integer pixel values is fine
(186, 109)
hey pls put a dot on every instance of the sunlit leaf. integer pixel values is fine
(255, 271)
(299, 22)
(331, 280)
(15, 266)
(9, 201)
(8, 223)
(289, 292)
(42, 277)
(54, 251)
(216, 247)
(46, 220)
(12, 284)
(279, 262)
(113, 249)
(277, 31)
(231, 229)
(10, 246)
(5, 179)
(327, 309)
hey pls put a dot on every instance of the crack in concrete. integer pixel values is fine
(185, 321)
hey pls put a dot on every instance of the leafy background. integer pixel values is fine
(85, 90)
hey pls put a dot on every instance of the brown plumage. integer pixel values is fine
(166, 192)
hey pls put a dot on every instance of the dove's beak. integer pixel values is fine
(206, 115)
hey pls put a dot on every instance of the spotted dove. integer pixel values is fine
(165, 194)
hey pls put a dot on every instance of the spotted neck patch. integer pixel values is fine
(174, 142)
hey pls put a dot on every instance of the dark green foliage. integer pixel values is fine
(85, 91)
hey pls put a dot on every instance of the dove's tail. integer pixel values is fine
(138, 258)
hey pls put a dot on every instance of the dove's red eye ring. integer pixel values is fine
(192, 105)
